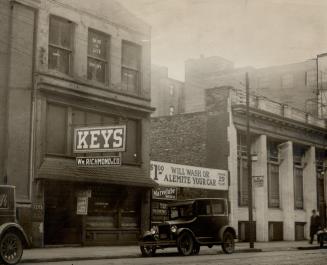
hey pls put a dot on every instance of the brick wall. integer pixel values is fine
(179, 139)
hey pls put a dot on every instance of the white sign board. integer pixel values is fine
(100, 139)
(174, 175)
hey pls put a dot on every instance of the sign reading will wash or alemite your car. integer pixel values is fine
(174, 175)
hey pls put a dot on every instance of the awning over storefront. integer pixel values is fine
(66, 169)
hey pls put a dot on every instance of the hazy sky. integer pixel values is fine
(248, 32)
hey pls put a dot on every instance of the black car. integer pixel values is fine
(322, 236)
(192, 224)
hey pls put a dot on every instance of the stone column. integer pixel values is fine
(260, 194)
(309, 185)
(287, 189)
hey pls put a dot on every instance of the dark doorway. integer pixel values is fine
(244, 231)
(275, 231)
(61, 225)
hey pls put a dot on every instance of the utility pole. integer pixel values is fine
(249, 160)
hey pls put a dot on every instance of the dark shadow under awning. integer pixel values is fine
(66, 169)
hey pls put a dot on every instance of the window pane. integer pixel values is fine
(129, 80)
(218, 207)
(298, 187)
(60, 32)
(131, 54)
(273, 185)
(56, 129)
(243, 182)
(132, 143)
(97, 45)
(96, 70)
(59, 60)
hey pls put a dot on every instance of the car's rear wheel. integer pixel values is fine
(185, 244)
(321, 241)
(11, 248)
(228, 244)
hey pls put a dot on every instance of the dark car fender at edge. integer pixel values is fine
(226, 228)
(14, 227)
(147, 235)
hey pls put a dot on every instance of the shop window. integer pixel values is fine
(97, 59)
(273, 175)
(275, 231)
(133, 143)
(131, 65)
(60, 44)
(56, 129)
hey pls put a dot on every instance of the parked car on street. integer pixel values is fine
(322, 236)
(12, 236)
(192, 224)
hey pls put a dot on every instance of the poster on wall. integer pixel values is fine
(82, 205)
(175, 175)
(164, 193)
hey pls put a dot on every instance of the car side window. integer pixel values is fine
(204, 208)
(218, 207)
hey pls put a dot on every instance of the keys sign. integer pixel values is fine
(100, 139)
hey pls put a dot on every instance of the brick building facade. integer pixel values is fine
(65, 65)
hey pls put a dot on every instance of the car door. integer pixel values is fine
(219, 216)
(203, 226)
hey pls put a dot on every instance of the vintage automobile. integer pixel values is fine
(322, 236)
(192, 224)
(12, 236)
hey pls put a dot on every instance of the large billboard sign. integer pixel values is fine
(100, 139)
(174, 175)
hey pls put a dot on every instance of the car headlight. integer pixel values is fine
(173, 229)
(154, 230)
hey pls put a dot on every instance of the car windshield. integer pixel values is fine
(181, 211)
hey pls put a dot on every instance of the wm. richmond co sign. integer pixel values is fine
(100, 139)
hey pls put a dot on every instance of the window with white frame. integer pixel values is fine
(60, 45)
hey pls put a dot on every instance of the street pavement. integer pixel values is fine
(63, 254)
(299, 257)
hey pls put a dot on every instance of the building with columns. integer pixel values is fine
(288, 159)
(67, 64)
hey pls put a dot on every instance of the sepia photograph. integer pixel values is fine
(163, 132)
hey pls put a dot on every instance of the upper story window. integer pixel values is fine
(97, 58)
(131, 66)
(171, 90)
(60, 44)
(287, 81)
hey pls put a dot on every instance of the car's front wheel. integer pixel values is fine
(11, 248)
(185, 244)
(228, 244)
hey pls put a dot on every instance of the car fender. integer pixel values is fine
(14, 227)
(225, 228)
(182, 230)
(148, 236)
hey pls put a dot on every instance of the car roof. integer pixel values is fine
(191, 201)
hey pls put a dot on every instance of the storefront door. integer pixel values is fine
(62, 225)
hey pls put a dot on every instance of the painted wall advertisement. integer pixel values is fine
(174, 175)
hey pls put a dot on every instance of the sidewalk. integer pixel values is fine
(115, 252)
